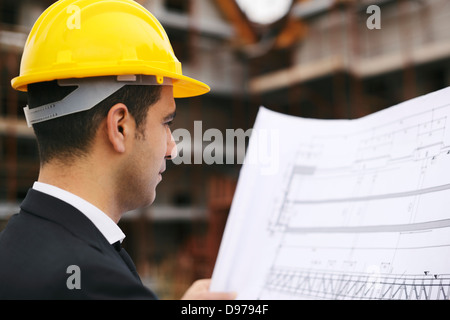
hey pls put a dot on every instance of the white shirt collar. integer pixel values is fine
(103, 222)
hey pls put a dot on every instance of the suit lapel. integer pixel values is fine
(127, 259)
(65, 215)
(55, 210)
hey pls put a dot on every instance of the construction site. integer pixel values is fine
(324, 59)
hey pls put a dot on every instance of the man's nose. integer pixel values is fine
(172, 150)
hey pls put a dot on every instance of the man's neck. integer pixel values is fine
(85, 182)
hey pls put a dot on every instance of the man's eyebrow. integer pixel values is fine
(170, 116)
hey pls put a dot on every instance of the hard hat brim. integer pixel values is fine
(183, 86)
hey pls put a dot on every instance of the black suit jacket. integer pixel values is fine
(48, 236)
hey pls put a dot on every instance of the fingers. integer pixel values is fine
(200, 291)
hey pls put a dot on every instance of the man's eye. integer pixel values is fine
(169, 124)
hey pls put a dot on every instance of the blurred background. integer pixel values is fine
(308, 58)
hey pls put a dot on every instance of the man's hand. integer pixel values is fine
(200, 291)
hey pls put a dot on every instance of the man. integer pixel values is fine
(101, 78)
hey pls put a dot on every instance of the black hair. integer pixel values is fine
(71, 136)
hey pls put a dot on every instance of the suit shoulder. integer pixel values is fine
(38, 257)
(35, 255)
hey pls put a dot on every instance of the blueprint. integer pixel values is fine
(351, 209)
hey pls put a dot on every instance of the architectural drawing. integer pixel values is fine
(358, 209)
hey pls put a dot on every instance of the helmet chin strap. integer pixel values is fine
(90, 92)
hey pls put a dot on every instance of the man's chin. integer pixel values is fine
(145, 202)
(150, 200)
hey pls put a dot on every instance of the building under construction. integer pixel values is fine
(317, 59)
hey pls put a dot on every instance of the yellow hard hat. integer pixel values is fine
(95, 38)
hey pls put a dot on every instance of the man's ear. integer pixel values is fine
(119, 126)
